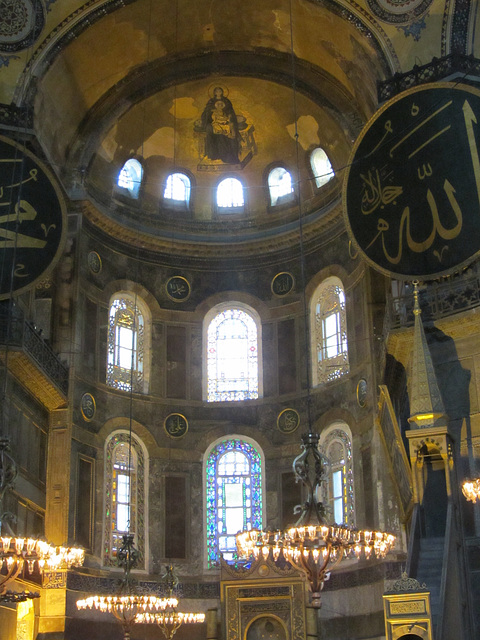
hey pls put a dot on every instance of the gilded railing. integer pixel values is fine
(397, 456)
(438, 300)
(16, 332)
(434, 71)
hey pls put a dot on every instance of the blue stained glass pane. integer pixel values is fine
(236, 468)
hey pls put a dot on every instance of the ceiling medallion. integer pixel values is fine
(399, 11)
(21, 24)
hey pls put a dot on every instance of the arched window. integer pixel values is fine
(177, 188)
(230, 195)
(130, 177)
(329, 332)
(126, 343)
(232, 355)
(280, 185)
(125, 495)
(338, 494)
(234, 495)
(321, 167)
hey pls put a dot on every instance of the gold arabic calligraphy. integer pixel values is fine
(377, 194)
(23, 211)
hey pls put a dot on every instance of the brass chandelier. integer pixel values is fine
(312, 546)
(20, 555)
(170, 620)
(128, 602)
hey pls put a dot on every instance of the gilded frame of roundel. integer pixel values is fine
(410, 208)
(41, 205)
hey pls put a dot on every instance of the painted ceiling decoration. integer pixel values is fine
(210, 98)
(20, 25)
(399, 11)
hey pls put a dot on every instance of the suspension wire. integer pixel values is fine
(135, 326)
(303, 277)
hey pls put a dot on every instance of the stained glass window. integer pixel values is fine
(230, 194)
(321, 167)
(280, 185)
(338, 494)
(234, 497)
(126, 333)
(130, 177)
(124, 495)
(232, 356)
(177, 188)
(330, 332)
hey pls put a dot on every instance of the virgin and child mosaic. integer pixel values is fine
(225, 138)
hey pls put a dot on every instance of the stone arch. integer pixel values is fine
(266, 628)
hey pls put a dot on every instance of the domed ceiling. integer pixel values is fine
(110, 80)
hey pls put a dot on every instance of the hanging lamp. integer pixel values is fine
(312, 546)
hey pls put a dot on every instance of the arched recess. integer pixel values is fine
(250, 381)
(410, 632)
(128, 343)
(311, 80)
(125, 506)
(328, 332)
(244, 469)
(338, 491)
(270, 627)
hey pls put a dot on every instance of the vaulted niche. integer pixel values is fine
(210, 130)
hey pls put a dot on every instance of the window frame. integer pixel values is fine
(135, 191)
(209, 317)
(326, 368)
(340, 433)
(284, 200)
(139, 503)
(178, 205)
(230, 211)
(141, 370)
(313, 169)
(211, 543)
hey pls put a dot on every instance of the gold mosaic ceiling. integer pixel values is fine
(110, 79)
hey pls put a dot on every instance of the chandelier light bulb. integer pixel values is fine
(471, 489)
(312, 546)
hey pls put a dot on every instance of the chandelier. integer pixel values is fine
(312, 546)
(21, 555)
(170, 620)
(127, 603)
(471, 489)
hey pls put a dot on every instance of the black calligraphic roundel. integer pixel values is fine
(32, 219)
(412, 189)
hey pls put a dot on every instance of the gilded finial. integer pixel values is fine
(416, 305)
